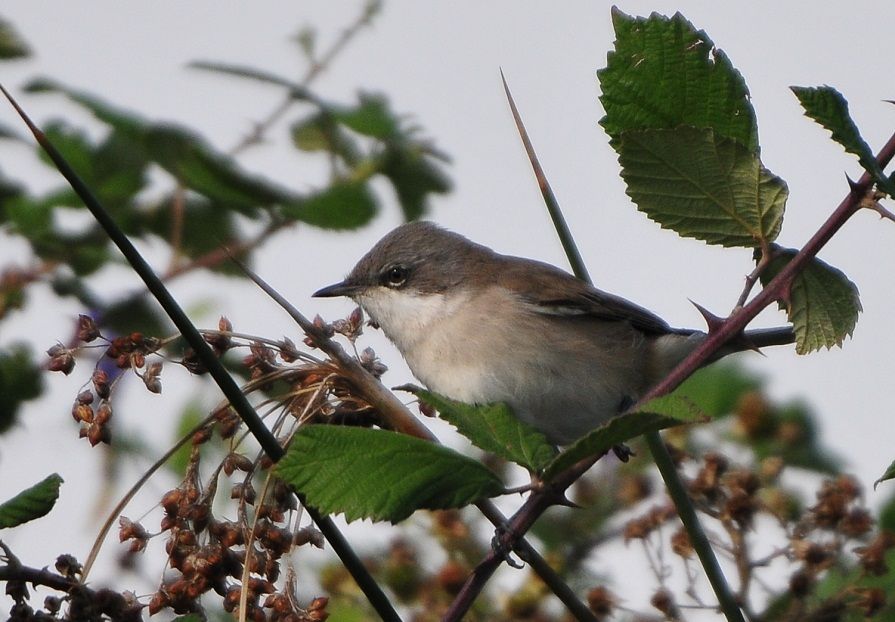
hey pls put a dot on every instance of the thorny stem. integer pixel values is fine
(510, 536)
(723, 332)
(718, 335)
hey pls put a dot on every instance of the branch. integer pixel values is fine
(314, 70)
(509, 538)
(205, 354)
(719, 335)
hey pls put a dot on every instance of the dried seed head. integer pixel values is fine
(856, 523)
(601, 601)
(101, 384)
(82, 413)
(68, 566)
(87, 330)
(663, 600)
(192, 363)
(680, 544)
(103, 413)
(61, 359)
(288, 351)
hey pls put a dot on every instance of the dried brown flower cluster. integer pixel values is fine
(243, 560)
(834, 534)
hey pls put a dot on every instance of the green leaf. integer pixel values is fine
(702, 185)
(321, 132)
(11, 43)
(381, 475)
(494, 428)
(716, 389)
(888, 474)
(190, 617)
(343, 205)
(31, 503)
(20, 381)
(32, 219)
(658, 414)
(371, 117)
(823, 303)
(664, 73)
(183, 153)
(829, 108)
(206, 226)
(134, 314)
(413, 173)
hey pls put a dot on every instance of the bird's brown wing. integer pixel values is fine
(552, 291)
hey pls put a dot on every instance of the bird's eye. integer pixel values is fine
(395, 276)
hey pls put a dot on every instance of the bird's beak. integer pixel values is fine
(339, 289)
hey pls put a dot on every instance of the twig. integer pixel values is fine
(314, 70)
(717, 337)
(225, 382)
(552, 493)
(753, 276)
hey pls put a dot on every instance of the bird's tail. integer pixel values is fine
(673, 347)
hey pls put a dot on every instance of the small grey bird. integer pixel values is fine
(479, 327)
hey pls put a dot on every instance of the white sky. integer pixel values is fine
(440, 61)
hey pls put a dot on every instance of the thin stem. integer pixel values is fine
(510, 536)
(314, 70)
(753, 276)
(559, 221)
(718, 336)
(222, 378)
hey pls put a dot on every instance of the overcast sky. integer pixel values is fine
(439, 62)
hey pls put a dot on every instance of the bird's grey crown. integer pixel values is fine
(435, 259)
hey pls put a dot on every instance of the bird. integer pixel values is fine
(480, 327)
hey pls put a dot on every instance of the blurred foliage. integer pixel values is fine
(209, 200)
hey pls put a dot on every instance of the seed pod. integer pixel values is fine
(87, 330)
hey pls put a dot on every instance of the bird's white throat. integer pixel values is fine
(407, 318)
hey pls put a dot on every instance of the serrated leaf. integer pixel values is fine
(494, 428)
(343, 205)
(823, 303)
(829, 108)
(664, 73)
(11, 43)
(658, 414)
(888, 474)
(702, 185)
(31, 503)
(379, 474)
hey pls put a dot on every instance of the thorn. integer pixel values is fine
(567, 503)
(502, 551)
(853, 187)
(711, 320)
(623, 452)
(34, 130)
